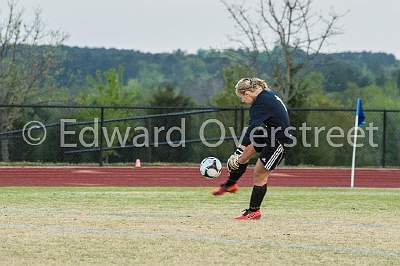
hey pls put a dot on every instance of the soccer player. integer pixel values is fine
(266, 134)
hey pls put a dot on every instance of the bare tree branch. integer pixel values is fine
(28, 51)
(265, 19)
(290, 27)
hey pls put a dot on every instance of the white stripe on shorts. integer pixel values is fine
(274, 156)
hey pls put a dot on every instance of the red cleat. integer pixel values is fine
(222, 190)
(249, 215)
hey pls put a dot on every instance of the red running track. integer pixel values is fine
(190, 177)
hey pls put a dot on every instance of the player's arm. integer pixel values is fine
(258, 113)
(241, 156)
(248, 152)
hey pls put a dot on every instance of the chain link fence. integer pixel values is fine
(110, 135)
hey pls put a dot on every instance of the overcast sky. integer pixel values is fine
(167, 25)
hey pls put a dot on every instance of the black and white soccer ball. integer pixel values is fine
(210, 167)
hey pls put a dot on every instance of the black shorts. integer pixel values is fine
(271, 153)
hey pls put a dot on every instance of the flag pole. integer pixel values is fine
(360, 121)
(353, 164)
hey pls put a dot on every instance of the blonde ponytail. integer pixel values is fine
(250, 84)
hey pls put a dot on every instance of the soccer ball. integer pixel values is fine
(210, 167)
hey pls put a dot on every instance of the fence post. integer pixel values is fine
(384, 140)
(235, 126)
(150, 133)
(241, 118)
(101, 136)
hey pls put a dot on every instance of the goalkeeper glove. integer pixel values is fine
(233, 161)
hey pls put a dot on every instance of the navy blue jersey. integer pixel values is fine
(268, 110)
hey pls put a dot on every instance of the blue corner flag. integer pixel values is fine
(360, 113)
(360, 121)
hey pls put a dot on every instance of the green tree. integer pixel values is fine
(150, 75)
(231, 74)
(108, 89)
(166, 96)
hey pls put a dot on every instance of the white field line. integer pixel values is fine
(58, 229)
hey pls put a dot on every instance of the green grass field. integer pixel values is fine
(170, 226)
